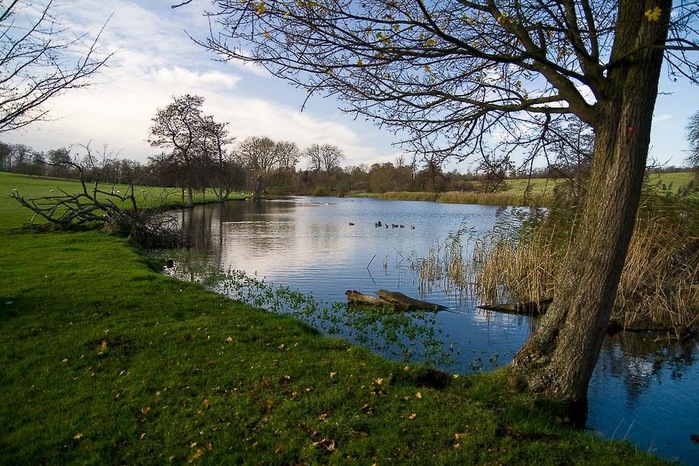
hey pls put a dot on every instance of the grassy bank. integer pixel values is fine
(105, 361)
(540, 191)
(457, 197)
(31, 187)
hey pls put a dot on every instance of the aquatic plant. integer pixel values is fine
(405, 336)
(658, 287)
(446, 265)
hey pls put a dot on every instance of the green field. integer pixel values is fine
(541, 191)
(103, 360)
(32, 187)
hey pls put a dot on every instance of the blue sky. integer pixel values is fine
(154, 60)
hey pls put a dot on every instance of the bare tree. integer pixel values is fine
(261, 156)
(217, 160)
(568, 147)
(39, 60)
(94, 205)
(493, 172)
(192, 138)
(464, 76)
(258, 154)
(288, 155)
(323, 157)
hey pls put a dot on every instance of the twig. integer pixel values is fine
(372, 260)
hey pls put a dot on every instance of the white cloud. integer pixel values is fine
(154, 61)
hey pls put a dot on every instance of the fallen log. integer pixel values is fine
(399, 299)
(393, 299)
(527, 308)
(355, 297)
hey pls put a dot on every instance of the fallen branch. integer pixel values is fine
(116, 212)
(528, 308)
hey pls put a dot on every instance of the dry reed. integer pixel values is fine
(659, 286)
(507, 198)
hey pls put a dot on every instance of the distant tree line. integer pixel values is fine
(199, 154)
(281, 168)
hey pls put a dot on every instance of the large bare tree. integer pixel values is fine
(323, 157)
(464, 76)
(260, 155)
(195, 140)
(39, 60)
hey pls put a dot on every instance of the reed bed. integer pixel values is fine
(408, 196)
(447, 265)
(510, 270)
(659, 286)
(511, 198)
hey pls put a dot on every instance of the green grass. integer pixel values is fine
(33, 187)
(671, 181)
(105, 361)
(541, 191)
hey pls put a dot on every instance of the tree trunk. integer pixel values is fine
(559, 358)
(257, 188)
(190, 196)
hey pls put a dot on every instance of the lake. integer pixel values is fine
(642, 390)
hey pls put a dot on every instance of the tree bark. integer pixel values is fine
(560, 356)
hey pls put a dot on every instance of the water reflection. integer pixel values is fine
(645, 389)
(642, 389)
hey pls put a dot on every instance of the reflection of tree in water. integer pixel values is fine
(641, 359)
(207, 226)
(196, 225)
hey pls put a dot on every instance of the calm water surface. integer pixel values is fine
(641, 390)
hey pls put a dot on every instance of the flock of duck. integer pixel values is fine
(385, 225)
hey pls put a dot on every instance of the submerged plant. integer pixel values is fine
(446, 265)
(405, 336)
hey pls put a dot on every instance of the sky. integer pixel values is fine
(154, 61)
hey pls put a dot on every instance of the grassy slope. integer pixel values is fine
(672, 181)
(32, 187)
(541, 191)
(104, 361)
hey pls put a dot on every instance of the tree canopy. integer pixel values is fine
(454, 76)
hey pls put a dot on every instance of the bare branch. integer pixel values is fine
(39, 60)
